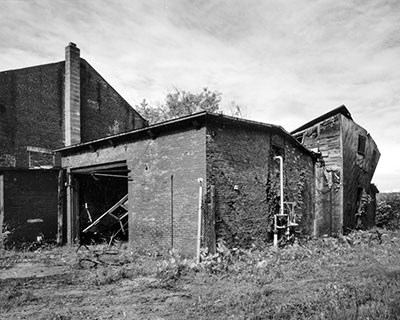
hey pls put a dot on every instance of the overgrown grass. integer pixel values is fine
(353, 277)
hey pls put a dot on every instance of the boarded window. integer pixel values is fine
(40, 157)
(361, 144)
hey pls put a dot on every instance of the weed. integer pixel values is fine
(15, 296)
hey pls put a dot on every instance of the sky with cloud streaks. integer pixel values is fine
(285, 62)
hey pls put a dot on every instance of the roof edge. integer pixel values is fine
(195, 120)
(341, 109)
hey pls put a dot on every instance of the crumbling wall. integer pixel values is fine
(156, 223)
(240, 165)
(360, 159)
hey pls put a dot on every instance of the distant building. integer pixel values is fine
(43, 108)
(345, 198)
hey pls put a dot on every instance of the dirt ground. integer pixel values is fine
(61, 289)
(354, 277)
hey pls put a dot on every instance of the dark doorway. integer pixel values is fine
(103, 213)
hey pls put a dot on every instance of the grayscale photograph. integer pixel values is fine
(199, 159)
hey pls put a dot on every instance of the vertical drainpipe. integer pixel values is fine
(172, 212)
(200, 181)
(70, 213)
(281, 205)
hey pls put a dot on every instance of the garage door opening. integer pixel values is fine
(103, 203)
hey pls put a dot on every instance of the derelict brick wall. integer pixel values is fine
(30, 203)
(103, 111)
(31, 111)
(181, 154)
(238, 156)
(152, 162)
(299, 185)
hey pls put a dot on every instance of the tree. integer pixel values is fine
(180, 103)
(152, 114)
(388, 210)
(237, 110)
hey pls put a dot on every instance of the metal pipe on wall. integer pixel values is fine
(172, 212)
(281, 200)
(200, 181)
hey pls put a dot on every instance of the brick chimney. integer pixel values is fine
(72, 109)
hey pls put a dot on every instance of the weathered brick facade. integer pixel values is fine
(234, 156)
(241, 166)
(46, 107)
(32, 110)
(32, 102)
(103, 111)
(153, 224)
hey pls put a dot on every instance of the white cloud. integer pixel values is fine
(288, 62)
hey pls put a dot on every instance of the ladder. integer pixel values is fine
(112, 212)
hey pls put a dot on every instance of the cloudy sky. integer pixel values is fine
(285, 62)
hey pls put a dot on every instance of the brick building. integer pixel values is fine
(159, 169)
(328, 166)
(43, 108)
(112, 170)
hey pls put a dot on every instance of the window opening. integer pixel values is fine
(361, 144)
(40, 157)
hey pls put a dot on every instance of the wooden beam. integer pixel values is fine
(107, 166)
(39, 150)
(76, 210)
(70, 195)
(60, 207)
